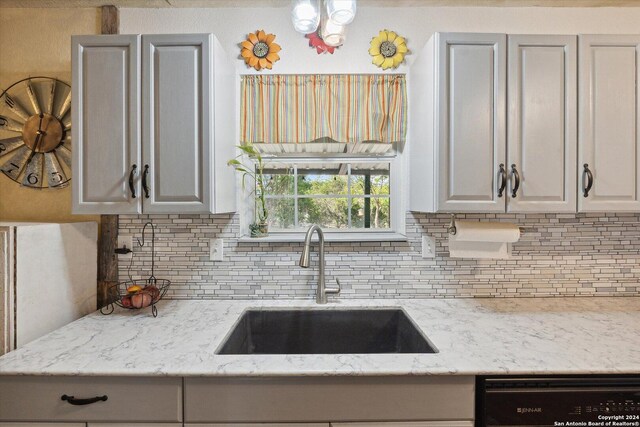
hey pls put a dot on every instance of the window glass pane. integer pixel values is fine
(280, 179)
(370, 178)
(371, 212)
(322, 179)
(327, 212)
(323, 194)
(281, 213)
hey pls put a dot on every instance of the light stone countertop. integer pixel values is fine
(473, 336)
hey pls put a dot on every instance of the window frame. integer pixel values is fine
(396, 231)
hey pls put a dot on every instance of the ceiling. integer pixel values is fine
(287, 3)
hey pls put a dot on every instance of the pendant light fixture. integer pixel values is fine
(333, 34)
(329, 20)
(341, 12)
(305, 15)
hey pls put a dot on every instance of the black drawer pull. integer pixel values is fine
(73, 401)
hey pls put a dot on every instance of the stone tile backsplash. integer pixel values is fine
(558, 255)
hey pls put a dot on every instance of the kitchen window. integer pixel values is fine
(351, 198)
(340, 196)
(330, 144)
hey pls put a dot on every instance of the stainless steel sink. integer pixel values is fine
(325, 332)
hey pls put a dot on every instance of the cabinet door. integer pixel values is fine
(176, 117)
(471, 123)
(106, 130)
(608, 154)
(542, 114)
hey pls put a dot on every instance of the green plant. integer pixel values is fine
(255, 171)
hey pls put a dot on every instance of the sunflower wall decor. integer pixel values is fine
(388, 49)
(259, 50)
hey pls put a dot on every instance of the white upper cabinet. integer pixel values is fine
(608, 151)
(541, 114)
(106, 124)
(462, 157)
(180, 148)
(471, 121)
(176, 116)
(457, 144)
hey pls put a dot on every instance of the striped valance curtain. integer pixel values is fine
(306, 108)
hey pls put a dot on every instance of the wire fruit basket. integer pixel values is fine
(135, 294)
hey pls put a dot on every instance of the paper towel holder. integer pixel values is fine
(451, 229)
(452, 225)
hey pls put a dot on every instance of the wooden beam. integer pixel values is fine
(110, 20)
(107, 258)
(108, 239)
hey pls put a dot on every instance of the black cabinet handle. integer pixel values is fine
(145, 187)
(132, 187)
(73, 401)
(503, 180)
(587, 187)
(516, 185)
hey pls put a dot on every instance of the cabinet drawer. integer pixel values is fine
(462, 423)
(42, 425)
(259, 425)
(131, 425)
(128, 399)
(318, 399)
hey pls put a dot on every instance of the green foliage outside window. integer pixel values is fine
(361, 199)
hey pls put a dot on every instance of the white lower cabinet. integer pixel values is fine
(461, 423)
(26, 424)
(87, 399)
(438, 401)
(42, 425)
(259, 425)
(314, 400)
(133, 425)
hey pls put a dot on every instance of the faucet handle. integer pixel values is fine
(333, 290)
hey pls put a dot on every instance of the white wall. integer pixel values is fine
(416, 24)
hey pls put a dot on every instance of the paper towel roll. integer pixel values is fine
(479, 250)
(476, 231)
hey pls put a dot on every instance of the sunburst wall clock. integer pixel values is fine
(35, 132)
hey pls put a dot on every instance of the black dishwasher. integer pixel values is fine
(559, 401)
